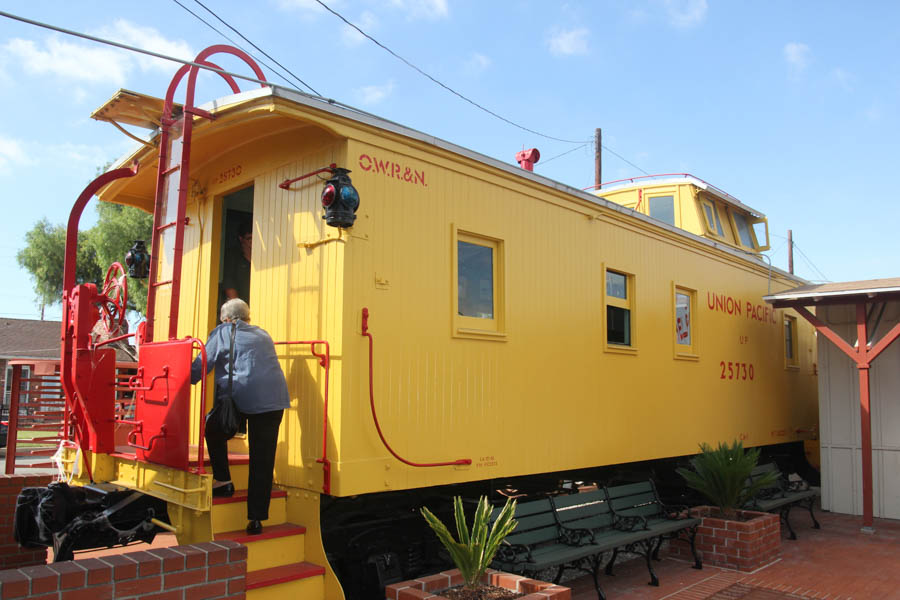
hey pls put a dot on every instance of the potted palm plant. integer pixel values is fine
(472, 551)
(730, 536)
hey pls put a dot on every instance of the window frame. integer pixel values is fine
(477, 327)
(685, 351)
(732, 213)
(629, 303)
(790, 362)
(712, 227)
(676, 217)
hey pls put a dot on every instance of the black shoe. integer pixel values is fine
(254, 527)
(223, 491)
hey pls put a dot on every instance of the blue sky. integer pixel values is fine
(792, 107)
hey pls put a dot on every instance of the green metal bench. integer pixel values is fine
(638, 506)
(780, 498)
(576, 530)
(537, 544)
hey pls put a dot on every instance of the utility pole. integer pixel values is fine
(790, 252)
(598, 161)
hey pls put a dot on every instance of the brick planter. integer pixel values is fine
(740, 545)
(425, 587)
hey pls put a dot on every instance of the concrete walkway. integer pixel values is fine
(837, 562)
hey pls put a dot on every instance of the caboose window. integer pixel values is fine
(685, 325)
(619, 299)
(663, 208)
(713, 222)
(478, 289)
(743, 229)
(791, 358)
(476, 280)
(682, 319)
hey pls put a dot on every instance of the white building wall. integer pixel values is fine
(839, 418)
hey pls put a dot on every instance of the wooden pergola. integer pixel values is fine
(866, 297)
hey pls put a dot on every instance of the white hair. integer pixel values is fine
(235, 309)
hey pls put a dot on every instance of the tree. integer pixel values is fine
(44, 257)
(107, 242)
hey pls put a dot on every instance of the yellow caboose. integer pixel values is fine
(474, 323)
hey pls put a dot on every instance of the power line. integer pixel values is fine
(805, 258)
(623, 159)
(266, 54)
(273, 85)
(211, 26)
(446, 87)
(544, 162)
(99, 40)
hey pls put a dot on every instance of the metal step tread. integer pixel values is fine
(269, 532)
(241, 496)
(282, 574)
(234, 458)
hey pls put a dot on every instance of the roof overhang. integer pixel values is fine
(132, 108)
(849, 292)
(689, 180)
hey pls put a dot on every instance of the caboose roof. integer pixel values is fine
(283, 102)
(680, 179)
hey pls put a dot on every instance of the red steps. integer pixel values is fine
(241, 496)
(283, 574)
(269, 532)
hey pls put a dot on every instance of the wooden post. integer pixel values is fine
(865, 414)
(790, 252)
(598, 161)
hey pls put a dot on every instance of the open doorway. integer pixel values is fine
(235, 249)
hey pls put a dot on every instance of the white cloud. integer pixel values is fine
(431, 10)
(70, 61)
(148, 38)
(566, 43)
(91, 63)
(76, 153)
(843, 78)
(686, 13)
(373, 94)
(17, 153)
(797, 55)
(12, 153)
(367, 21)
(477, 63)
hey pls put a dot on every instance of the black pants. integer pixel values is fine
(262, 430)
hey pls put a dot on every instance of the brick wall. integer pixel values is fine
(199, 572)
(740, 545)
(207, 571)
(430, 586)
(11, 555)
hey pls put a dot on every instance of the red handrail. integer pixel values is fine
(200, 442)
(365, 332)
(286, 184)
(324, 361)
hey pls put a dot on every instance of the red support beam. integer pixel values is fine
(865, 414)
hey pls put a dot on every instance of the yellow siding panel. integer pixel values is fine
(545, 395)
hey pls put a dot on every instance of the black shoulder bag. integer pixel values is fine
(222, 421)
